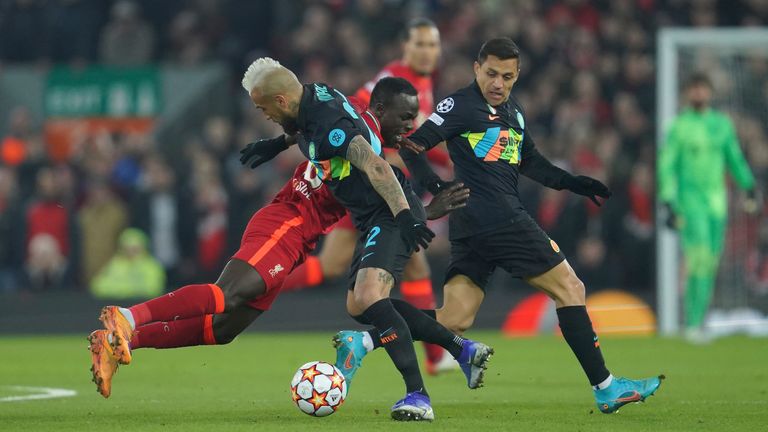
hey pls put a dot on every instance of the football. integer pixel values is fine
(318, 388)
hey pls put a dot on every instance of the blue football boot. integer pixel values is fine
(473, 360)
(349, 353)
(415, 406)
(623, 391)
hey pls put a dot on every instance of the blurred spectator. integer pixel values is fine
(211, 204)
(187, 42)
(46, 265)
(127, 40)
(102, 217)
(160, 209)
(130, 151)
(13, 148)
(131, 272)
(592, 264)
(11, 237)
(49, 234)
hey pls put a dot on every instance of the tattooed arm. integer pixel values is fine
(380, 174)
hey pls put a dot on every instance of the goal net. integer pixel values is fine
(736, 60)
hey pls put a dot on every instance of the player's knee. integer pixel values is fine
(238, 294)
(572, 293)
(224, 337)
(457, 323)
(365, 298)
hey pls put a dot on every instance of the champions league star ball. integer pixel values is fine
(318, 388)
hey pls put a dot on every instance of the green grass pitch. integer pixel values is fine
(532, 384)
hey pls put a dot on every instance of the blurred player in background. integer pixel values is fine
(701, 145)
(277, 239)
(421, 53)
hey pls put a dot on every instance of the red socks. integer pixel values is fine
(174, 334)
(191, 301)
(307, 275)
(419, 294)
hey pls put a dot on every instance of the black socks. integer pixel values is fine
(424, 327)
(578, 332)
(393, 334)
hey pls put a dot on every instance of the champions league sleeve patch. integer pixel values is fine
(445, 105)
(336, 137)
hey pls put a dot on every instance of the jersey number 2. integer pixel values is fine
(372, 235)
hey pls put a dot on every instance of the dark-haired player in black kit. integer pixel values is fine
(490, 147)
(346, 153)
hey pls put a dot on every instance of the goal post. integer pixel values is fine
(678, 52)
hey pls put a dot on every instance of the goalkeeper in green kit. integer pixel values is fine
(701, 144)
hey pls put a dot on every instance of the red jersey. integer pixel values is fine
(422, 83)
(423, 86)
(313, 199)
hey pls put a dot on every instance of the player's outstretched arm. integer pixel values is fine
(419, 166)
(538, 168)
(264, 150)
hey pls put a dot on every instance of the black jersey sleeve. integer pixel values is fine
(333, 141)
(421, 170)
(538, 168)
(448, 120)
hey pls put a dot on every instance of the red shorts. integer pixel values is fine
(274, 244)
(345, 223)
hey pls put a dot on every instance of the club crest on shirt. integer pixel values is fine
(337, 137)
(445, 105)
(275, 270)
(520, 119)
(311, 149)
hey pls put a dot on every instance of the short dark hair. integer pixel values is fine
(387, 88)
(698, 78)
(504, 48)
(416, 23)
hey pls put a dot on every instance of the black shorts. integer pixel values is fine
(382, 247)
(522, 248)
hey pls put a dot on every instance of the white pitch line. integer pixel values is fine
(40, 393)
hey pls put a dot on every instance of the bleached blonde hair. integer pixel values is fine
(258, 70)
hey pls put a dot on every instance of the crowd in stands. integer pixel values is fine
(124, 208)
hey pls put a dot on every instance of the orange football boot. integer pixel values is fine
(116, 323)
(103, 361)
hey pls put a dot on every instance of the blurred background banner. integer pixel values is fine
(87, 101)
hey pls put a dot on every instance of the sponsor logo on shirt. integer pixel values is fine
(302, 188)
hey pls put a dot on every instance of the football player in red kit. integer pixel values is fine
(421, 52)
(276, 240)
